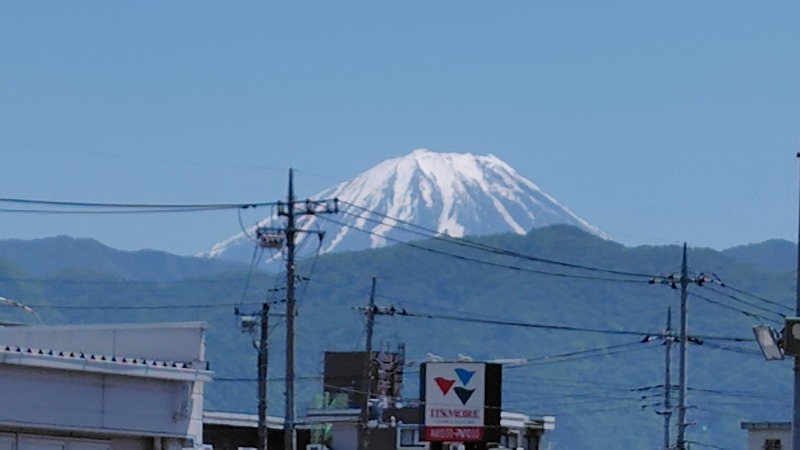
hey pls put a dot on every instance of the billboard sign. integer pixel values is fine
(455, 400)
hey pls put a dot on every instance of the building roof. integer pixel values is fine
(118, 326)
(239, 420)
(115, 365)
(762, 426)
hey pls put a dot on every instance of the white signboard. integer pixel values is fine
(454, 401)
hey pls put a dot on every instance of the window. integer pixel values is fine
(510, 440)
(772, 444)
(409, 437)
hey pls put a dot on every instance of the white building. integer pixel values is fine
(768, 435)
(102, 387)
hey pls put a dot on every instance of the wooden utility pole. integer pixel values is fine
(368, 370)
(263, 355)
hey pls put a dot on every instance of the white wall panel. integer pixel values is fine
(40, 443)
(74, 400)
(169, 342)
(8, 441)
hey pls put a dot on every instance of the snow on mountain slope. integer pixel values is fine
(450, 193)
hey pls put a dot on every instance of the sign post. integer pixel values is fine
(461, 399)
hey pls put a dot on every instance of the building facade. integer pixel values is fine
(768, 435)
(102, 387)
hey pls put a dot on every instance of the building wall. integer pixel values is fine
(74, 399)
(345, 437)
(71, 400)
(33, 441)
(183, 342)
(757, 438)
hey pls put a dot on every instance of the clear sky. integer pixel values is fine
(658, 122)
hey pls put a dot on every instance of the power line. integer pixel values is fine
(485, 247)
(745, 302)
(146, 307)
(402, 312)
(733, 308)
(485, 262)
(136, 205)
(107, 212)
(757, 297)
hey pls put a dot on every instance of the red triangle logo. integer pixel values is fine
(444, 384)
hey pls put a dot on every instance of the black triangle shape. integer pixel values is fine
(463, 394)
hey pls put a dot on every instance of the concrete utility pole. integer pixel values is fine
(311, 207)
(796, 416)
(667, 378)
(365, 432)
(683, 368)
(290, 438)
(263, 355)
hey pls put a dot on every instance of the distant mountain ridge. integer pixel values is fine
(49, 256)
(577, 389)
(450, 194)
(774, 254)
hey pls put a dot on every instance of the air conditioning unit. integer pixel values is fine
(316, 447)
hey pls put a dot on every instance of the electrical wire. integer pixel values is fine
(745, 302)
(501, 321)
(485, 247)
(404, 313)
(733, 308)
(109, 211)
(144, 307)
(485, 262)
(573, 356)
(757, 297)
(136, 205)
(254, 260)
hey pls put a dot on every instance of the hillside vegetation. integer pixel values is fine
(603, 384)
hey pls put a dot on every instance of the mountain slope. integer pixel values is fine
(600, 382)
(775, 254)
(444, 193)
(47, 256)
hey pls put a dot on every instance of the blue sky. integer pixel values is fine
(658, 122)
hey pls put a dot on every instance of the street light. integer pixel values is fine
(769, 342)
(25, 308)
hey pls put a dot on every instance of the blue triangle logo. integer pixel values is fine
(464, 375)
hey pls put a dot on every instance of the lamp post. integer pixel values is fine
(25, 308)
(796, 406)
(774, 346)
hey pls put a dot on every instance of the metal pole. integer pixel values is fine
(368, 370)
(288, 424)
(263, 355)
(796, 415)
(667, 378)
(683, 368)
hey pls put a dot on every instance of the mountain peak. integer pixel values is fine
(454, 194)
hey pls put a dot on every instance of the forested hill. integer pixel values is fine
(580, 330)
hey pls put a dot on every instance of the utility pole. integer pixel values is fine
(263, 355)
(796, 415)
(311, 207)
(667, 378)
(683, 368)
(365, 432)
(288, 424)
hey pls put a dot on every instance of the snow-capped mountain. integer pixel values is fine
(445, 193)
